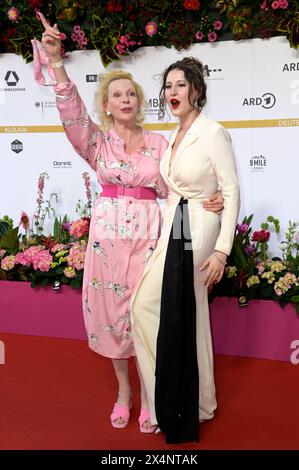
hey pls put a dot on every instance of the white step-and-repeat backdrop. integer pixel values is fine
(253, 90)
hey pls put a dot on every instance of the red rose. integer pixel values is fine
(261, 236)
(110, 7)
(265, 235)
(33, 4)
(192, 5)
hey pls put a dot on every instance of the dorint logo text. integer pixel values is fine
(62, 164)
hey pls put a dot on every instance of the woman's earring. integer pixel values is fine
(108, 113)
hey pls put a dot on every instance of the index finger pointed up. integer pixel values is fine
(45, 23)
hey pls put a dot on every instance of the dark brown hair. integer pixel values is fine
(194, 73)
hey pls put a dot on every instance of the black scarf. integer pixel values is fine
(177, 383)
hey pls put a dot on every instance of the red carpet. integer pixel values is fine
(57, 394)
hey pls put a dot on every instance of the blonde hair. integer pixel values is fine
(101, 97)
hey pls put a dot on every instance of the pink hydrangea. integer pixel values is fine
(31, 252)
(8, 262)
(42, 261)
(76, 257)
(23, 259)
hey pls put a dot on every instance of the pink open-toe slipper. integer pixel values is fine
(143, 418)
(120, 411)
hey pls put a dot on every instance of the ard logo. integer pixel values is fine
(266, 101)
(291, 67)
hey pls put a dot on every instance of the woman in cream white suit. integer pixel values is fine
(170, 313)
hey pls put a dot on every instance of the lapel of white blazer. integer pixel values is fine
(169, 148)
(192, 134)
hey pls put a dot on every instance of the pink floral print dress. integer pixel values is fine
(123, 231)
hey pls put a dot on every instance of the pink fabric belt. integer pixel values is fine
(138, 192)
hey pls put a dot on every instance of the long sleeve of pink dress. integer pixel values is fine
(123, 231)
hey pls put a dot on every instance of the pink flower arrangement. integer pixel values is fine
(252, 274)
(54, 259)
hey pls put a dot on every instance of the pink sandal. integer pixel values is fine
(143, 418)
(120, 411)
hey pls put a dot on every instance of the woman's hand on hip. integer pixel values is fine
(215, 265)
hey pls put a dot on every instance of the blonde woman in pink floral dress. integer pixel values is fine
(125, 223)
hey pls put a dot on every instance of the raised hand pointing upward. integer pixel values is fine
(51, 39)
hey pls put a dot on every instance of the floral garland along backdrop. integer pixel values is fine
(118, 27)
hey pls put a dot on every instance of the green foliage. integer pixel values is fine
(10, 240)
